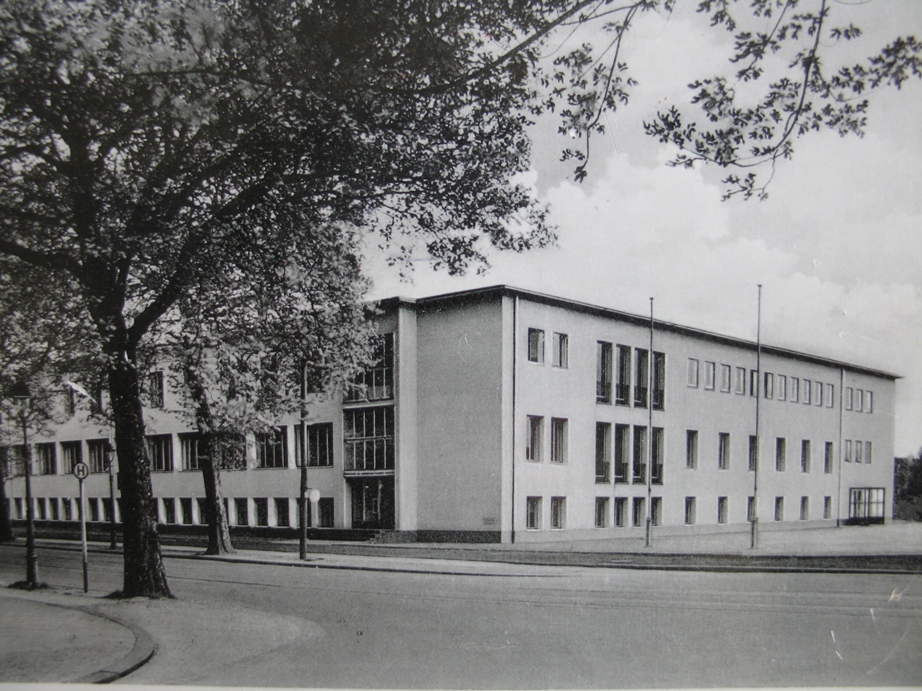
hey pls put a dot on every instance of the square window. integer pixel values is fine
(533, 513)
(725, 378)
(722, 509)
(536, 346)
(601, 512)
(691, 374)
(558, 513)
(689, 510)
(691, 449)
(709, 375)
(561, 347)
(740, 386)
(558, 440)
(779, 508)
(535, 434)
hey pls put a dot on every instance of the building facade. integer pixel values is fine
(505, 415)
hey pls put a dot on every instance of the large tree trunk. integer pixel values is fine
(144, 573)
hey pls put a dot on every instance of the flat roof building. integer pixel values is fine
(500, 414)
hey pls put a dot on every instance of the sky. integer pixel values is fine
(837, 246)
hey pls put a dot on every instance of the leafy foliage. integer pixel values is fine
(907, 500)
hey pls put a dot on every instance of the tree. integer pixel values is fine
(907, 499)
(140, 139)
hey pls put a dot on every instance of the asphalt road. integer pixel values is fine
(537, 627)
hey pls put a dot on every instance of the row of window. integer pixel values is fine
(185, 510)
(634, 472)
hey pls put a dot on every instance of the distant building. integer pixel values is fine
(505, 415)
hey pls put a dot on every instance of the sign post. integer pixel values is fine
(81, 470)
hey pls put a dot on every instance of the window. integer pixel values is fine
(190, 449)
(659, 381)
(620, 511)
(691, 449)
(709, 375)
(47, 461)
(271, 448)
(753, 382)
(535, 434)
(638, 512)
(377, 383)
(558, 513)
(325, 510)
(753, 452)
(281, 512)
(657, 466)
(561, 346)
(804, 508)
(780, 453)
(320, 445)
(827, 507)
(830, 395)
(805, 456)
(689, 510)
(603, 372)
(536, 345)
(866, 505)
(725, 378)
(67, 508)
(98, 450)
(185, 511)
(859, 448)
(368, 438)
(169, 509)
(261, 505)
(859, 400)
(155, 389)
(750, 508)
(601, 512)
(691, 373)
(533, 513)
(827, 458)
(848, 450)
(71, 454)
(779, 508)
(623, 383)
(639, 475)
(867, 452)
(806, 392)
(740, 386)
(656, 508)
(622, 435)
(160, 451)
(769, 385)
(641, 374)
(869, 402)
(795, 389)
(558, 440)
(782, 387)
(849, 397)
(241, 511)
(602, 452)
(818, 393)
(723, 451)
(722, 503)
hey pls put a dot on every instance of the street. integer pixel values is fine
(510, 627)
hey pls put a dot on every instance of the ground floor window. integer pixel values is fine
(827, 507)
(620, 511)
(261, 505)
(185, 505)
(638, 512)
(558, 513)
(689, 510)
(281, 512)
(373, 502)
(722, 509)
(601, 512)
(533, 513)
(866, 505)
(325, 509)
(779, 508)
(241, 511)
(656, 508)
(804, 508)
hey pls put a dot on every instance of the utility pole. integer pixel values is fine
(754, 522)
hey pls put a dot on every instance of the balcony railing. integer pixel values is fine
(603, 391)
(603, 474)
(659, 399)
(622, 394)
(620, 472)
(657, 477)
(639, 475)
(640, 396)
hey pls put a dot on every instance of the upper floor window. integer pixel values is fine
(805, 456)
(558, 440)
(795, 389)
(368, 438)
(623, 384)
(868, 402)
(658, 444)
(830, 394)
(272, 449)
(602, 452)
(740, 383)
(155, 389)
(533, 447)
(818, 393)
(160, 451)
(320, 445)
(827, 458)
(191, 451)
(753, 452)
(47, 461)
(806, 392)
(849, 397)
(780, 451)
(781, 387)
(723, 451)
(725, 378)
(72, 454)
(691, 448)
(561, 348)
(603, 367)
(753, 382)
(536, 345)
(377, 383)
(659, 380)
(641, 374)
(769, 385)
(99, 450)
(691, 374)
(859, 400)
(709, 374)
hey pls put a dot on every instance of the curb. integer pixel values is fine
(144, 649)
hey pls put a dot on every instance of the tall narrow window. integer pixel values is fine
(155, 389)
(859, 400)
(641, 374)
(753, 452)
(689, 510)
(271, 449)
(805, 456)
(869, 402)
(769, 385)
(818, 393)
(71, 455)
(659, 381)
(691, 449)
(638, 512)
(536, 345)
(561, 350)
(657, 465)
(867, 452)
(779, 508)
(722, 503)
(691, 373)
(622, 440)
(848, 450)
(623, 380)
(723, 451)
(806, 392)
(780, 452)
(535, 434)
(849, 397)
(47, 460)
(781, 388)
(827, 458)
(750, 508)
(558, 513)
(804, 508)
(859, 450)
(656, 508)
(639, 474)
(740, 383)
(603, 367)
(190, 450)
(533, 513)
(827, 507)
(100, 449)
(830, 395)
(558, 440)
(753, 383)
(709, 375)
(602, 452)
(601, 512)
(620, 511)
(159, 448)
(320, 445)
(725, 378)
(795, 389)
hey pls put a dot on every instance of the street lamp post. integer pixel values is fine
(23, 397)
(110, 463)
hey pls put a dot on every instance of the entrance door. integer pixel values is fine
(373, 502)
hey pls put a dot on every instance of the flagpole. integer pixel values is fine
(755, 471)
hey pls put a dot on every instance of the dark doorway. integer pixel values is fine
(373, 502)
